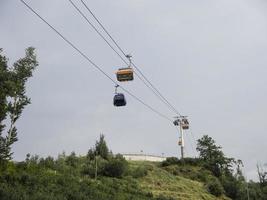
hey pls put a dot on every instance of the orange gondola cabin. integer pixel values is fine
(125, 74)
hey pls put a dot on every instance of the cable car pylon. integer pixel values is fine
(183, 124)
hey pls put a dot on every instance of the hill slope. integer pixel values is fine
(67, 178)
(163, 183)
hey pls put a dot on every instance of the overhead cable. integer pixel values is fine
(100, 34)
(91, 62)
(144, 78)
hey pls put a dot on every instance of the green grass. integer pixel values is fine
(159, 181)
(143, 181)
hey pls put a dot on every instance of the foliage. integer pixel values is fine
(213, 157)
(160, 181)
(262, 174)
(170, 161)
(70, 177)
(213, 168)
(101, 161)
(72, 160)
(196, 173)
(13, 98)
(214, 187)
(256, 190)
(139, 172)
(101, 148)
(58, 179)
(116, 167)
(185, 161)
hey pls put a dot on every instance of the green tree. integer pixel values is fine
(239, 174)
(214, 186)
(72, 160)
(101, 147)
(262, 174)
(213, 157)
(13, 98)
(116, 167)
(97, 157)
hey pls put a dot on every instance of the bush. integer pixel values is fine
(176, 161)
(214, 187)
(139, 172)
(192, 161)
(170, 161)
(231, 186)
(116, 167)
(88, 169)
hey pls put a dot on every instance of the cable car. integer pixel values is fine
(119, 100)
(125, 74)
(176, 122)
(185, 124)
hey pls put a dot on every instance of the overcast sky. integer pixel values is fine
(208, 58)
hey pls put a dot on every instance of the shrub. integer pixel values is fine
(214, 187)
(170, 161)
(176, 161)
(231, 186)
(88, 169)
(139, 172)
(116, 167)
(192, 161)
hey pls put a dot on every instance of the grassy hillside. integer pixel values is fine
(160, 182)
(69, 178)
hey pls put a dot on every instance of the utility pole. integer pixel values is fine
(182, 141)
(183, 123)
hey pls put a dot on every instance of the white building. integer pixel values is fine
(143, 157)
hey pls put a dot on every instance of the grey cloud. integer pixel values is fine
(208, 57)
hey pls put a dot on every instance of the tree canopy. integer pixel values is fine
(13, 97)
(100, 149)
(213, 156)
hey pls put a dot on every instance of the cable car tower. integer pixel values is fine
(183, 124)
